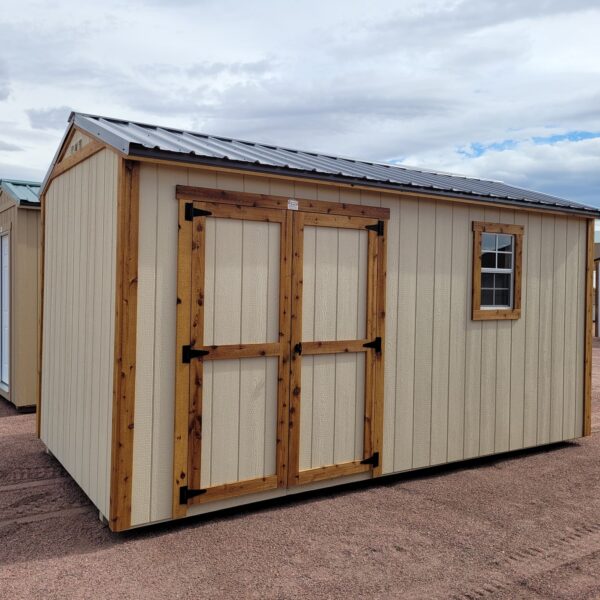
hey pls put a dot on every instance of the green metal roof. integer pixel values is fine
(24, 192)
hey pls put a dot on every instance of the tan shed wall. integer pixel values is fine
(24, 312)
(8, 212)
(79, 322)
(23, 224)
(454, 388)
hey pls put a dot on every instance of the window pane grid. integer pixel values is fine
(496, 270)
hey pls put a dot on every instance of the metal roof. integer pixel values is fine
(143, 140)
(24, 192)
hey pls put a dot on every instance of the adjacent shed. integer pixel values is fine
(226, 322)
(19, 290)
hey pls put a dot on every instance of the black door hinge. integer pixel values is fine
(375, 344)
(191, 212)
(187, 353)
(378, 228)
(185, 494)
(298, 348)
(372, 460)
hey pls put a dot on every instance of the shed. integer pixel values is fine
(226, 322)
(19, 290)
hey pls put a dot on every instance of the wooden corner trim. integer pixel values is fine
(38, 410)
(589, 303)
(125, 345)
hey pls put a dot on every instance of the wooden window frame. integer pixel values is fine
(491, 314)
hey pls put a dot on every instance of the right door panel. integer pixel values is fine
(334, 325)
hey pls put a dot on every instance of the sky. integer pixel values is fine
(506, 90)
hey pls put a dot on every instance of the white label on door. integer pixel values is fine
(292, 204)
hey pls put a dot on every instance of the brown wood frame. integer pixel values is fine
(247, 199)
(125, 345)
(589, 304)
(38, 408)
(188, 410)
(477, 313)
(373, 430)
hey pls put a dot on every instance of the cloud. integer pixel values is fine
(8, 147)
(49, 118)
(18, 171)
(461, 83)
(4, 82)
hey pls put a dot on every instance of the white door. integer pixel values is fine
(4, 308)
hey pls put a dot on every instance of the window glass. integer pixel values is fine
(488, 241)
(497, 262)
(488, 260)
(504, 261)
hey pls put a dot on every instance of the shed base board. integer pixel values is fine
(255, 500)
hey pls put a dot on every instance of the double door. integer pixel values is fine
(280, 327)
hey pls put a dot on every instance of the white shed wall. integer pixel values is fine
(79, 322)
(454, 388)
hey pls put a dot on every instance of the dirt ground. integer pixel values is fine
(524, 526)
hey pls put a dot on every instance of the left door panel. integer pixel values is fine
(237, 358)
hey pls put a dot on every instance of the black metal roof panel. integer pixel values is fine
(138, 139)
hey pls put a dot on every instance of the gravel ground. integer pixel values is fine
(524, 526)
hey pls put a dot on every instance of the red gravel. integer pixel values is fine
(524, 526)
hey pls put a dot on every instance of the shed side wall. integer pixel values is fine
(454, 388)
(24, 311)
(8, 222)
(79, 322)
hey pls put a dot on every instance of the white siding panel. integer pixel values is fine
(459, 301)
(391, 325)
(77, 375)
(517, 354)
(558, 331)
(503, 372)
(545, 333)
(405, 358)
(570, 375)
(441, 333)
(473, 359)
(489, 330)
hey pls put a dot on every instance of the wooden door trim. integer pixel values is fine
(194, 194)
(189, 376)
(375, 327)
(182, 370)
(238, 488)
(295, 360)
(332, 471)
(334, 347)
(234, 351)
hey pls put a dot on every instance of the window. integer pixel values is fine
(496, 271)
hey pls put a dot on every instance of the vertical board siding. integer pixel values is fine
(454, 388)
(78, 339)
(24, 306)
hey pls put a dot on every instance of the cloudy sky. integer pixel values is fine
(506, 90)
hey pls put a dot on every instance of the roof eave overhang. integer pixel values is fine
(140, 151)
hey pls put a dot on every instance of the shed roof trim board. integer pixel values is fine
(143, 140)
(24, 192)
